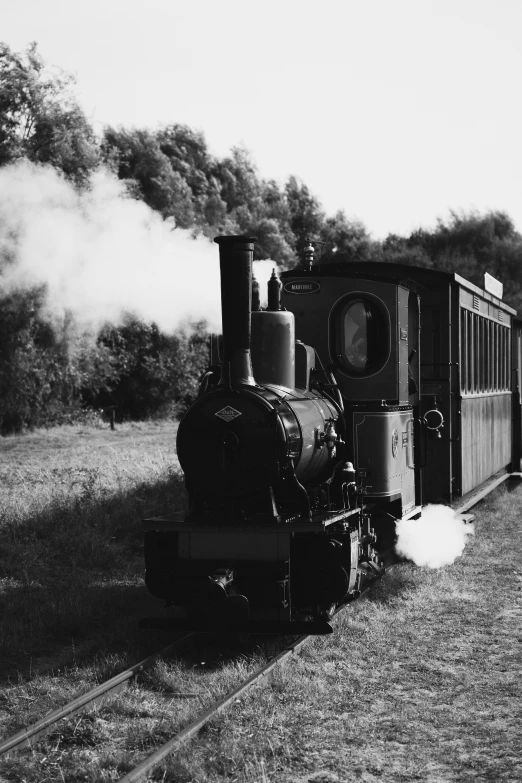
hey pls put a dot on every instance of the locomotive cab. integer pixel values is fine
(369, 340)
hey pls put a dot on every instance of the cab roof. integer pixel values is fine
(403, 274)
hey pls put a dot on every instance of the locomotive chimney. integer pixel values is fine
(236, 254)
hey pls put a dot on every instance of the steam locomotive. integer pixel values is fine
(301, 454)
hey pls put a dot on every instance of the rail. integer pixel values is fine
(31, 734)
(140, 772)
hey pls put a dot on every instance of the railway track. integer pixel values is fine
(32, 734)
(142, 770)
(147, 766)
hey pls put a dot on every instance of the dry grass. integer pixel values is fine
(71, 563)
(420, 683)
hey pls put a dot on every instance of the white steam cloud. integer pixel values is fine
(101, 253)
(434, 540)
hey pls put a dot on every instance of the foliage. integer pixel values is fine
(306, 216)
(137, 158)
(345, 241)
(39, 118)
(26, 380)
(470, 244)
(155, 373)
(44, 365)
(51, 372)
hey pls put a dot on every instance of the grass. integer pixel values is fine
(71, 563)
(421, 682)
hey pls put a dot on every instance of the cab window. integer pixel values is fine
(362, 336)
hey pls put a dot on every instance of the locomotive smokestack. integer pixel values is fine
(235, 259)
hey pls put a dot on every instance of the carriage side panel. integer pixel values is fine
(485, 389)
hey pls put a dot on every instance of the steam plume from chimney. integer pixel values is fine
(101, 253)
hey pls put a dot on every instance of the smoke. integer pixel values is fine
(101, 253)
(434, 540)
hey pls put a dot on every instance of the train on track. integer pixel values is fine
(363, 392)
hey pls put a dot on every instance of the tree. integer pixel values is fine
(137, 157)
(401, 250)
(306, 213)
(39, 118)
(214, 210)
(271, 243)
(344, 240)
(188, 155)
(240, 185)
(44, 366)
(155, 373)
(470, 244)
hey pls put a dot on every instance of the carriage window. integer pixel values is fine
(463, 354)
(485, 354)
(470, 353)
(489, 357)
(494, 345)
(362, 336)
(508, 362)
(502, 359)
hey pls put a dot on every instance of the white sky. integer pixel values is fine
(394, 110)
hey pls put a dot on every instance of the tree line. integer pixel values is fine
(51, 372)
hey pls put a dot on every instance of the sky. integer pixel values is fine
(395, 111)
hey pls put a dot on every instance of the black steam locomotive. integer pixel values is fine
(281, 527)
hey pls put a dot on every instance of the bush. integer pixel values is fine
(157, 374)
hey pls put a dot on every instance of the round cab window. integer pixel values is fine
(361, 336)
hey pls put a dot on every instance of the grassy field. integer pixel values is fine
(71, 566)
(421, 682)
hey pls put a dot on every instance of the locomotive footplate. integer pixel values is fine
(319, 522)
